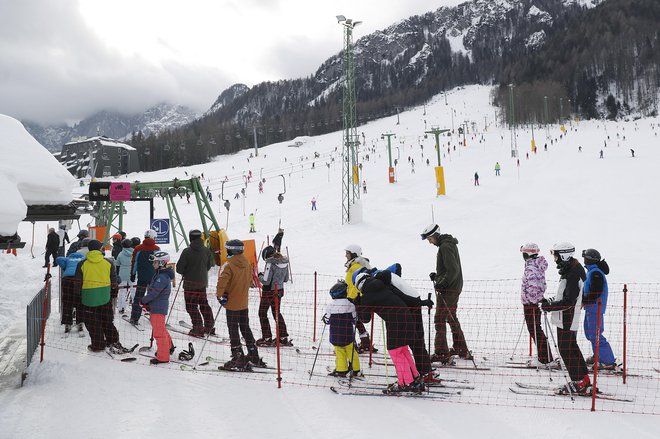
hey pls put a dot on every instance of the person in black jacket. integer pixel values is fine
(194, 265)
(565, 309)
(83, 234)
(377, 298)
(52, 246)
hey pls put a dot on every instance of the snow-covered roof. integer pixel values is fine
(30, 175)
(105, 141)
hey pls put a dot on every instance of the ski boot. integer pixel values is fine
(253, 357)
(395, 389)
(589, 361)
(67, 329)
(196, 332)
(462, 354)
(444, 359)
(581, 387)
(238, 360)
(157, 361)
(209, 331)
(80, 327)
(284, 341)
(338, 374)
(365, 344)
(264, 341)
(431, 379)
(613, 367)
(417, 386)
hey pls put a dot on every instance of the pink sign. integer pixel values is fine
(120, 191)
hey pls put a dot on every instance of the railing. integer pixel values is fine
(38, 311)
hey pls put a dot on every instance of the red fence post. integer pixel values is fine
(371, 345)
(596, 358)
(277, 335)
(530, 345)
(314, 334)
(43, 313)
(625, 313)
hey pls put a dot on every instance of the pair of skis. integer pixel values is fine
(544, 390)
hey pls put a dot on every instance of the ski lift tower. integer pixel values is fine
(350, 192)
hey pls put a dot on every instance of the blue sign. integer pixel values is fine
(162, 228)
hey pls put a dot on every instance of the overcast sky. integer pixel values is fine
(63, 60)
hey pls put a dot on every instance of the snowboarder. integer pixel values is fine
(476, 179)
(251, 218)
(341, 316)
(355, 261)
(234, 280)
(156, 301)
(52, 247)
(275, 274)
(531, 293)
(123, 264)
(194, 264)
(595, 287)
(142, 269)
(448, 284)
(565, 309)
(497, 168)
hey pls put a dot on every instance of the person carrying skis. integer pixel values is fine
(143, 270)
(194, 264)
(70, 299)
(565, 310)
(234, 281)
(531, 293)
(123, 264)
(276, 272)
(52, 247)
(448, 284)
(377, 298)
(341, 316)
(355, 261)
(595, 287)
(156, 301)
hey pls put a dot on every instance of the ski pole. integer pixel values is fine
(536, 341)
(208, 334)
(561, 360)
(517, 341)
(549, 352)
(429, 311)
(318, 349)
(174, 300)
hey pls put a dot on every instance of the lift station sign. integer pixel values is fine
(162, 228)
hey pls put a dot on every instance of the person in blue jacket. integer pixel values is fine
(71, 300)
(157, 302)
(595, 287)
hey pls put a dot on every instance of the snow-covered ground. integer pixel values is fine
(560, 194)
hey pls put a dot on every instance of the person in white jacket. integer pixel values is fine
(123, 264)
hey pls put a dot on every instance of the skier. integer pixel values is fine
(497, 168)
(251, 218)
(234, 281)
(209, 195)
(313, 203)
(632, 151)
(277, 240)
(64, 239)
(355, 261)
(123, 264)
(52, 247)
(261, 188)
(194, 264)
(116, 245)
(377, 298)
(595, 287)
(76, 244)
(566, 316)
(95, 278)
(476, 179)
(156, 301)
(341, 316)
(143, 270)
(364, 186)
(70, 299)
(448, 283)
(601, 153)
(276, 272)
(531, 293)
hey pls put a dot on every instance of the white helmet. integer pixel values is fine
(354, 248)
(430, 230)
(163, 258)
(360, 278)
(150, 234)
(564, 250)
(530, 249)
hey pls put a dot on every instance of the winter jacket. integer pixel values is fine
(351, 266)
(140, 265)
(123, 264)
(379, 298)
(276, 272)
(158, 291)
(341, 314)
(194, 265)
(53, 242)
(533, 282)
(74, 247)
(116, 249)
(569, 296)
(595, 287)
(234, 281)
(70, 263)
(449, 274)
(96, 277)
(400, 287)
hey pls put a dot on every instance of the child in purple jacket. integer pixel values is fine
(531, 293)
(157, 302)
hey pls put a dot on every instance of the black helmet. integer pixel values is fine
(339, 290)
(194, 234)
(268, 252)
(84, 242)
(126, 243)
(83, 234)
(591, 256)
(234, 247)
(94, 244)
(135, 241)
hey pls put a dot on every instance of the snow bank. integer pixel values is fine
(30, 175)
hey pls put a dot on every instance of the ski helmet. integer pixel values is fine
(354, 249)
(126, 243)
(529, 250)
(268, 252)
(430, 230)
(84, 243)
(83, 234)
(135, 241)
(359, 280)
(161, 257)
(117, 236)
(591, 256)
(234, 247)
(150, 234)
(94, 244)
(564, 250)
(338, 290)
(194, 234)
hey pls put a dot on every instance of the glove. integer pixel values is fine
(223, 300)
(133, 277)
(427, 302)
(543, 304)
(325, 319)
(432, 276)
(144, 306)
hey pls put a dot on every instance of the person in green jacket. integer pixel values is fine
(252, 229)
(448, 284)
(96, 277)
(497, 168)
(194, 265)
